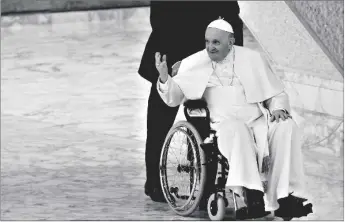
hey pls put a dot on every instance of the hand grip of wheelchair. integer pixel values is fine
(196, 104)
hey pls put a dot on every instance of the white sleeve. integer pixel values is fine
(170, 92)
(279, 102)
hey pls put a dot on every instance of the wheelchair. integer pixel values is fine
(193, 172)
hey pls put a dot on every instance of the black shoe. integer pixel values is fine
(157, 195)
(291, 206)
(254, 200)
(148, 189)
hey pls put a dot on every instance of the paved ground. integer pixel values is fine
(73, 127)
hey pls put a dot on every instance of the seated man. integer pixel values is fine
(250, 112)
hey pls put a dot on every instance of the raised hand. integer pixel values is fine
(162, 67)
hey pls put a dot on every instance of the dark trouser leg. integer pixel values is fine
(160, 119)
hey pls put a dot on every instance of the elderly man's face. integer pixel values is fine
(217, 43)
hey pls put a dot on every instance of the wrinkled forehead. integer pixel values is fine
(214, 33)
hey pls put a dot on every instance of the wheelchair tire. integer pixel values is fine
(216, 207)
(194, 166)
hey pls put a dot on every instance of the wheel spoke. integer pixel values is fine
(182, 168)
(173, 153)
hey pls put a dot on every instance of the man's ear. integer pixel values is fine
(175, 68)
(231, 43)
(231, 40)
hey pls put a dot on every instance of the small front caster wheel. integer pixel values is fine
(216, 207)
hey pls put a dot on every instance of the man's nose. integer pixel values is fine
(209, 47)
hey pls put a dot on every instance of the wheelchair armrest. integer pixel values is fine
(195, 104)
(202, 123)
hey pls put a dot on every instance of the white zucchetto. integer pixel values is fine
(221, 24)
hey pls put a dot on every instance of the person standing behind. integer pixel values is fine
(176, 30)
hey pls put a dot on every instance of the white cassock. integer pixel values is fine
(241, 91)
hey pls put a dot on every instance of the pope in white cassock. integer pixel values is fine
(250, 112)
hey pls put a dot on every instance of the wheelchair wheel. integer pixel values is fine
(216, 207)
(182, 168)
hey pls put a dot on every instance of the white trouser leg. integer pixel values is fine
(237, 145)
(286, 170)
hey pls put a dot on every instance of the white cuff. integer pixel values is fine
(163, 87)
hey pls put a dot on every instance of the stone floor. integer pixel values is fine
(73, 112)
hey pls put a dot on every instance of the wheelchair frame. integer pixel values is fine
(204, 160)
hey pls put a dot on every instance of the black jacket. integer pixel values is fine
(178, 30)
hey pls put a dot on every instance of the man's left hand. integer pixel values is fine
(277, 114)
